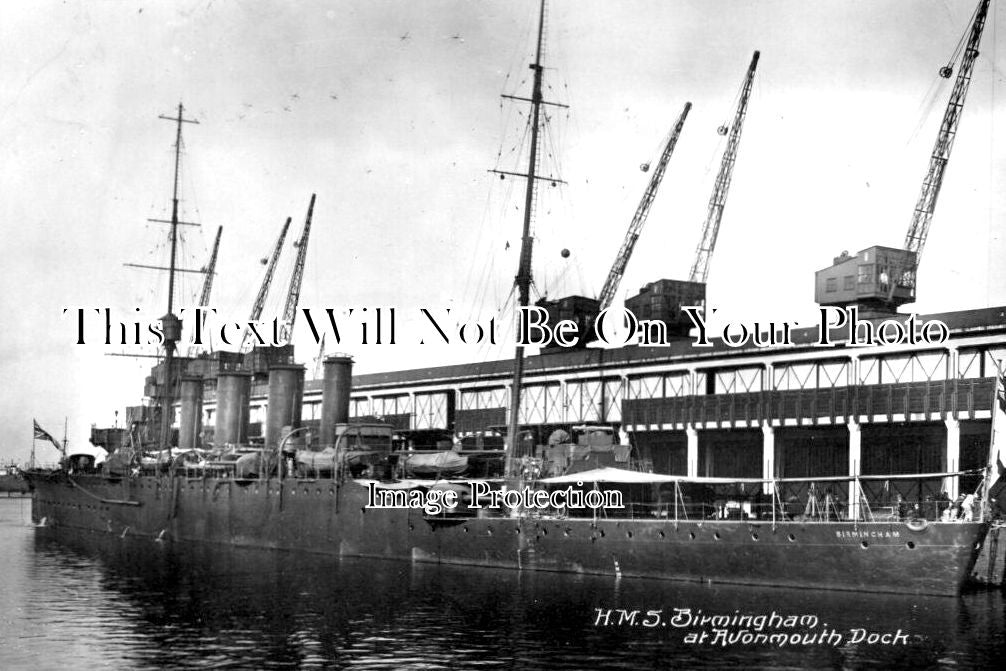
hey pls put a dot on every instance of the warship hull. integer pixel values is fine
(329, 517)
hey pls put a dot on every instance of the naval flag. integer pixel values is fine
(42, 434)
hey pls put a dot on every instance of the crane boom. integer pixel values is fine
(922, 217)
(210, 270)
(642, 212)
(263, 290)
(718, 199)
(293, 294)
(211, 267)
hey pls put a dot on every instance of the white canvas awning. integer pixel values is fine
(609, 474)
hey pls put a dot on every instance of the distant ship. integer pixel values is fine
(824, 500)
(12, 482)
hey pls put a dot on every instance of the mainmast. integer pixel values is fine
(523, 278)
(171, 324)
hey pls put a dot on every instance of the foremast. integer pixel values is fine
(170, 323)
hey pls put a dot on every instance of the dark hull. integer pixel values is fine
(13, 485)
(326, 517)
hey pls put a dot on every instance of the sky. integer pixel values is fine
(390, 111)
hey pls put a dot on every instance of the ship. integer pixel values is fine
(818, 462)
(12, 482)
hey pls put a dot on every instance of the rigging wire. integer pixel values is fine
(947, 71)
(547, 204)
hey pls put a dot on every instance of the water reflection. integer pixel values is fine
(125, 603)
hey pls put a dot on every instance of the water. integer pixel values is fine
(90, 601)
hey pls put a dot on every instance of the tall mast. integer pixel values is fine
(171, 325)
(174, 210)
(66, 427)
(523, 278)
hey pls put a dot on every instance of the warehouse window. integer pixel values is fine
(849, 283)
(831, 284)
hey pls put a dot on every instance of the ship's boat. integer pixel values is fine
(445, 462)
(250, 465)
(322, 463)
(360, 450)
(185, 458)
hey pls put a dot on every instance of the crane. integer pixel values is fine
(320, 359)
(204, 296)
(642, 211)
(922, 216)
(210, 270)
(881, 284)
(718, 199)
(297, 277)
(263, 290)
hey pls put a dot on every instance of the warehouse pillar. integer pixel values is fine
(768, 456)
(855, 467)
(953, 460)
(693, 451)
